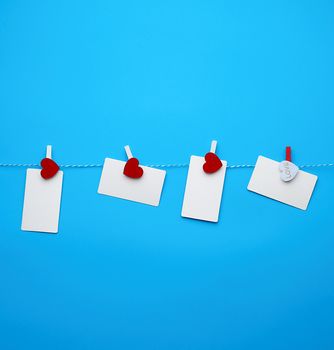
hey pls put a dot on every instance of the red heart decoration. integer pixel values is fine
(50, 168)
(132, 169)
(212, 163)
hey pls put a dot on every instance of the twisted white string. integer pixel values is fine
(180, 165)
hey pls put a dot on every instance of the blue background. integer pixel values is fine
(167, 77)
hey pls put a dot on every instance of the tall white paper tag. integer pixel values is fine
(203, 191)
(41, 202)
(266, 181)
(146, 190)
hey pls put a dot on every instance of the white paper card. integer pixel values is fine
(203, 191)
(266, 181)
(146, 190)
(41, 202)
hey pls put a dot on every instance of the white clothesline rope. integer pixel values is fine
(180, 165)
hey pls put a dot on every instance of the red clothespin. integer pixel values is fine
(288, 170)
(288, 153)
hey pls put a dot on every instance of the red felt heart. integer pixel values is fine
(50, 168)
(212, 163)
(132, 169)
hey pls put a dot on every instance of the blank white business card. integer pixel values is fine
(203, 191)
(266, 181)
(146, 190)
(41, 205)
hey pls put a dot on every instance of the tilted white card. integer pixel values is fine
(146, 190)
(41, 202)
(203, 191)
(266, 181)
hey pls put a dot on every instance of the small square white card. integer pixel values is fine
(266, 181)
(203, 191)
(146, 190)
(41, 202)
